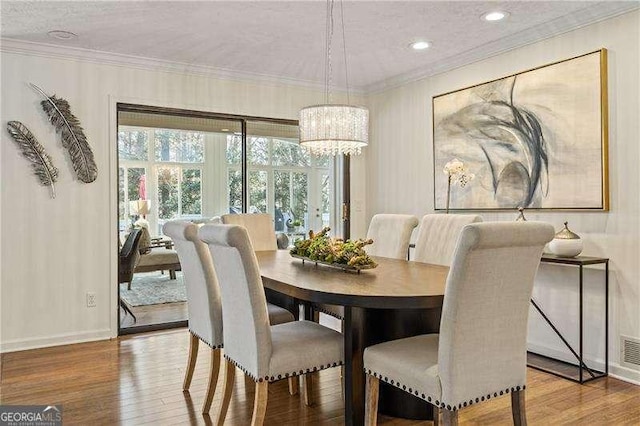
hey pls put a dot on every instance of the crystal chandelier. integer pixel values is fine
(331, 129)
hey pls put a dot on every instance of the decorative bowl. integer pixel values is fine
(566, 243)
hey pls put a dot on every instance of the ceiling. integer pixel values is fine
(286, 40)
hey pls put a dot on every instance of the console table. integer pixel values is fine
(579, 373)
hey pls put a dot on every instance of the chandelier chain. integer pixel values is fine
(326, 48)
(329, 45)
(344, 51)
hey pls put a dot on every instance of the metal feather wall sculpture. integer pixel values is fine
(34, 152)
(73, 137)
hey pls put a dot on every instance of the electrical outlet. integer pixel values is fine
(91, 299)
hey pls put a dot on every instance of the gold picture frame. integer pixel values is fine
(537, 139)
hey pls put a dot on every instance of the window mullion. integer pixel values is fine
(180, 172)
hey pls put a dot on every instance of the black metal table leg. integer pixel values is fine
(555, 330)
(580, 261)
(581, 349)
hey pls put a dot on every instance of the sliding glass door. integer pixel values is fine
(195, 166)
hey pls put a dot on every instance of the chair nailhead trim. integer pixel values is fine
(280, 376)
(438, 403)
(327, 312)
(212, 346)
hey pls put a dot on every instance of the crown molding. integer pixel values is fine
(564, 24)
(561, 25)
(22, 47)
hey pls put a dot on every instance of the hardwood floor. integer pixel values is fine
(137, 380)
(155, 314)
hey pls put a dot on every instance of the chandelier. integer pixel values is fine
(331, 129)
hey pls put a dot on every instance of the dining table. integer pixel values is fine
(397, 299)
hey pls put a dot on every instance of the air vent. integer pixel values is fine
(630, 351)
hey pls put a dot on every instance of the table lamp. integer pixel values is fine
(140, 208)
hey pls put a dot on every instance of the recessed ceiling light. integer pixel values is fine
(496, 15)
(420, 45)
(62, 35)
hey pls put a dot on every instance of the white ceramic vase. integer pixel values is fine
(566, 243)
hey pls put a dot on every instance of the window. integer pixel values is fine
(133, 145)
(285, 180)
(175, 159)
(192, 167)
(178, 146)
(135, 178)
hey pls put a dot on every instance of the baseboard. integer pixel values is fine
(625, 374)
(56, 340)
(565, 355)
(615, 370)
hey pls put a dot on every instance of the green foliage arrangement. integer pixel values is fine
(321, 247)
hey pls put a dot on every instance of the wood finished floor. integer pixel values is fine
(155, 314)
(137, 380)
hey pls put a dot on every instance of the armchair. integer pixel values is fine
(129, 256)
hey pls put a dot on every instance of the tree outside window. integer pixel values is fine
(191, 192)
(167, 192)
(179, 146)
(132, 145)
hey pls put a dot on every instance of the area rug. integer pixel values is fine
(154, 288)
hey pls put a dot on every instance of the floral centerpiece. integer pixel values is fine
(321, 248)
(457, 174)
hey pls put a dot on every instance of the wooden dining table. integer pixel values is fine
(397, 299)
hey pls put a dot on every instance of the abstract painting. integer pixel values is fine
(536, 139)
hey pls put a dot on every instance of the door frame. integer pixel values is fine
(150, 106)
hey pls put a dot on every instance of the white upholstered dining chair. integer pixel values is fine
(259, 226)
(391, 235)
(261, 232)
(437, 237)
(203, 301)
(481, 349)
(264, 353)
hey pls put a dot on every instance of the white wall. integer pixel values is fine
(53, 251)
(400, 179)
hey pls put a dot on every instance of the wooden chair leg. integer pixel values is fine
(172, 274)
(129, 285)
(293, 385)
(449, 417)
(214, 370)
(194, 342)
(371, 401)
(309, 398)
(436, 416)
(229, 375)
(518, 408)
(260, 403)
